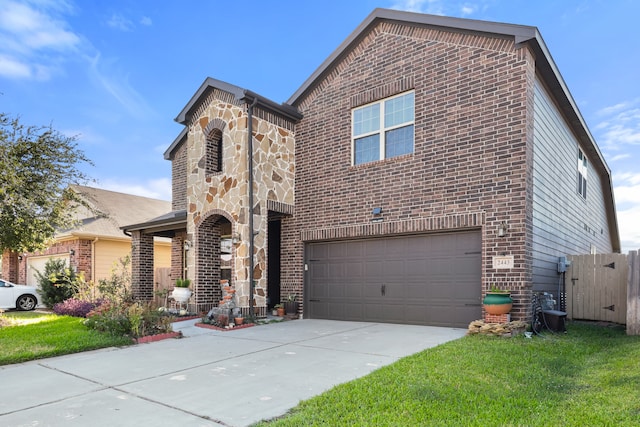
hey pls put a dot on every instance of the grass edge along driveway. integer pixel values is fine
(587, 377)
(36, 335)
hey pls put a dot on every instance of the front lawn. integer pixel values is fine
(32, 335)
(589, 376)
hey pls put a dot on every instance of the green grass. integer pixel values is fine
(31, 335)
(588, 377)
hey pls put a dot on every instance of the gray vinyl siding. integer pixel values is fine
(564, 223)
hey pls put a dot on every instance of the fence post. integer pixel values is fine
(633, 294)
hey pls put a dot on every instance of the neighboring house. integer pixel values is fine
(96, 243)
(427, 159)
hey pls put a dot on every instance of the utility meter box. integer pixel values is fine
(563, 263)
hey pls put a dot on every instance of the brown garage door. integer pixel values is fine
(423, 280)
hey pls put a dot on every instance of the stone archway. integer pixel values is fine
(208, 273)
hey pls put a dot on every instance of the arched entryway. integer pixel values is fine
(213, 260)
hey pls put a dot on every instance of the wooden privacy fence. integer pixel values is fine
(604, 287)
(596, 287)
(162, 283)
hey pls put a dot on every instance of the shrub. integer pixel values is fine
(56, 283)
(74, 307)
(136, 320)
(109, 318)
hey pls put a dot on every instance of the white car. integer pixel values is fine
(21, 297)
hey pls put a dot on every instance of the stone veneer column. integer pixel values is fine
(142, 266)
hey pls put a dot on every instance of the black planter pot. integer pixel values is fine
(291, 307)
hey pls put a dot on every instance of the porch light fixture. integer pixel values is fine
(187, 245)
(236, 238)
(19, 258)
(72, 252)
(502, 229)
(376, 214)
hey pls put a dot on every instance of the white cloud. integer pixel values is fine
(155, 188)
(12, 68)
(439, 7)
(33, 38)
(629, 228)
(121, 23)
(424, 6)
(146, 21)
(620, 125)
(619, 157)
(468, 9)
(627, 196)
(116, 83)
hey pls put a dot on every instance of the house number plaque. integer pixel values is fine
(503, 262)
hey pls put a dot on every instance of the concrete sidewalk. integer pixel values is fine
(208, 378)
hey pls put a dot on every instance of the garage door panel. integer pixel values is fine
(372, 289)
(319, 290)
(373, 269)
(417, 267)
(353, 290)
(394, 268)
(427, 279)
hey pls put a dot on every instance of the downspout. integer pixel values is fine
(93, 260)
(251, 235)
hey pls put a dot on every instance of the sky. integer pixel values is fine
(116, 73)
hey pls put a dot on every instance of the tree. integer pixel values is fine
(37, 165)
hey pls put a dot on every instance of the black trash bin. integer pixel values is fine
(555, 320)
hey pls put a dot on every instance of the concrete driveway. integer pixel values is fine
(208, 378)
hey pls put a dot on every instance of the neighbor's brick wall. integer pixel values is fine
(472, 148)
(10, 266)
(80, 262)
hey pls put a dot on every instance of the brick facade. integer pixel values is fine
(79, 252)
(470, 167)
(142, 266)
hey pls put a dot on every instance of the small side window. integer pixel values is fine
(582, 174)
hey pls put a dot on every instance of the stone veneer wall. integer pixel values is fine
(226, 193)
(472, 151)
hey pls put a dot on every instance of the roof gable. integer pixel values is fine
(520, 34)
(111, 210)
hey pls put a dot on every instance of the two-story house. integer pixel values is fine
(426, 160)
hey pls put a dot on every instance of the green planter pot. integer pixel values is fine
(497, 303)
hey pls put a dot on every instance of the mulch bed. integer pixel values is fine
(217, 328)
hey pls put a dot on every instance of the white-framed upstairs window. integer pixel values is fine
(582, 174)
(383, 129)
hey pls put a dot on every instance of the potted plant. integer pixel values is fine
(280, 309)
(497, 301)
(181, 293)
(291, 305)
